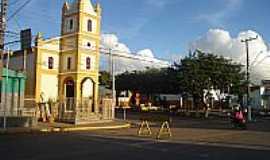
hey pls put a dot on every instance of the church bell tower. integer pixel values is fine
(79, 57)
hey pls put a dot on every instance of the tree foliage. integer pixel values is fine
(105, 79)
(150, 81)
(191, 76)
(203, 71)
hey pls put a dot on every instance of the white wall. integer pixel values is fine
(49, 86)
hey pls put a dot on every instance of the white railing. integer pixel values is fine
(69, 104)
(72, 105)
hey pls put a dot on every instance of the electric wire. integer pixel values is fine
(19, 9)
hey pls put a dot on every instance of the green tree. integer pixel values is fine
(105, 79)
(150, 81)
(201, 71)
(192, 76)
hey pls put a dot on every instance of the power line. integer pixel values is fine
(17, 23)
(18, 10)
(15, 2)
(124, 54)
(36, 16)
(246, 41)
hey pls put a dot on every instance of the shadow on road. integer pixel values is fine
(176, 121)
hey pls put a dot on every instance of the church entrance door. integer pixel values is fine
(70, 94)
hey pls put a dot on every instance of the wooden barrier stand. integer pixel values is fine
(164, 131)
(144, 129)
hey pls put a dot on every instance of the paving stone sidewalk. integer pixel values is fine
(63, 127)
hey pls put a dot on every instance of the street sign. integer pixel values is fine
(26, 39)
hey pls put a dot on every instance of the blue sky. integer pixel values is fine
(165, 26)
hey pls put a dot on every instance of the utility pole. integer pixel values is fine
(5, 88)
(246, 41)
(113, 81)
(3, 18)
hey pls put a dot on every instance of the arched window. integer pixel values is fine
(50, 62)
(89, 26)
(88, 63)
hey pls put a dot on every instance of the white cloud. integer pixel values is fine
(126, 60)
(146, 53)
(109, 40)
(220, 42)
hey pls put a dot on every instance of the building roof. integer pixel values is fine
(86, 6)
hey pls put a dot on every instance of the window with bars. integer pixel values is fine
(50, 62)
(69, 63)
(70, 24)
(89, 26)
(88, 63)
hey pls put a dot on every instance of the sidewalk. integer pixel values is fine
(217, 137)
(64, 127)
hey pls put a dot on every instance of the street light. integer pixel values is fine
(113, 79)
(246, 41)
(113, 82)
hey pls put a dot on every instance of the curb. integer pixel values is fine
(57, 129)
(73, 129)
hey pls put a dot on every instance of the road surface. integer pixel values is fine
(63, 146)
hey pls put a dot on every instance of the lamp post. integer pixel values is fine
(113, 79)
(113, 82)
(246, 41)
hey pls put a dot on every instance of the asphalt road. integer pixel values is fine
(86, 146)
(261, 124)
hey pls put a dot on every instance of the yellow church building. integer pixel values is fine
(66, 68)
